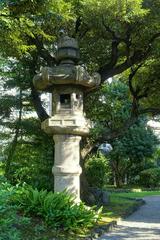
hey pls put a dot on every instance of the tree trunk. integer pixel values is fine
(86, 194)
(41, 112)
(118, 180)
(13, 145)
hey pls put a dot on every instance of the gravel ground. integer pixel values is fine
(144, 224)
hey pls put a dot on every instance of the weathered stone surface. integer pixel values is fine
(74, 125)
(66, 82)
(65, 74)
(68, 49)
(66, 168)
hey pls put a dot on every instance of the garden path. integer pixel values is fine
(144, 224)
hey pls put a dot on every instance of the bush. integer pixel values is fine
(8, 213)
(150, 177)
(57, 209)
(97, 170)
(32, 164)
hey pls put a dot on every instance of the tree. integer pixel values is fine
(111, 108)
(132, 152)
(29, 151)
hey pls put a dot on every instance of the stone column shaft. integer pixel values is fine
(66, 168)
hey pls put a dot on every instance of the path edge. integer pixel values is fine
(100, 230)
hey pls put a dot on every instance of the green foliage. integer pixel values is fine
(150, 177)
(57, 209)
(111, 106)
(27, 150)
(32, 163)
(138, 143)
(97, 170)
(8, 213)
(133, 147)
(24, 21)
(15, 225)
(133, 152)
(156, 158)
(32, 159)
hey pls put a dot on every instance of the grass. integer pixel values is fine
(121, 204)
(140, 194)
(117, 208)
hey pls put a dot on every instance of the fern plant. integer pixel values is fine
(57, 209)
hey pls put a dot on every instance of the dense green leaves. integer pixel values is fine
(132, 152)
(111, 108)
(58, 209)
(26, 213)
(150, 177)
(133, 145)
(97, 170)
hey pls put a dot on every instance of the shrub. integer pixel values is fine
(57, 209)
(36, 174)
(8, 213)
(97, 170)
(150, 177)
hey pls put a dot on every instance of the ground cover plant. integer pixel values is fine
(29, 214)
(58, 210)
(8, 214)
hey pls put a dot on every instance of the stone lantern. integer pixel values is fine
(67, 82)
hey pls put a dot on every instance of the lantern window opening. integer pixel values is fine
(77, 96)
(65, 101)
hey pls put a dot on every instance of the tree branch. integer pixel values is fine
(153, 38)
(4, 15)
(107, 137)
(115, 43)
(42, 114)
(83, 33)
(110, 70)
(107, 72)
(42, 51)
(153, 111)
(109, 30)
(131, 76)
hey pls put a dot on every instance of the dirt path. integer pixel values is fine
(144, 224)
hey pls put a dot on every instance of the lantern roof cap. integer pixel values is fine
(68, 51)
(68, 42)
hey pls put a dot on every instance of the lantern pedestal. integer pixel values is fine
(66, 168)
